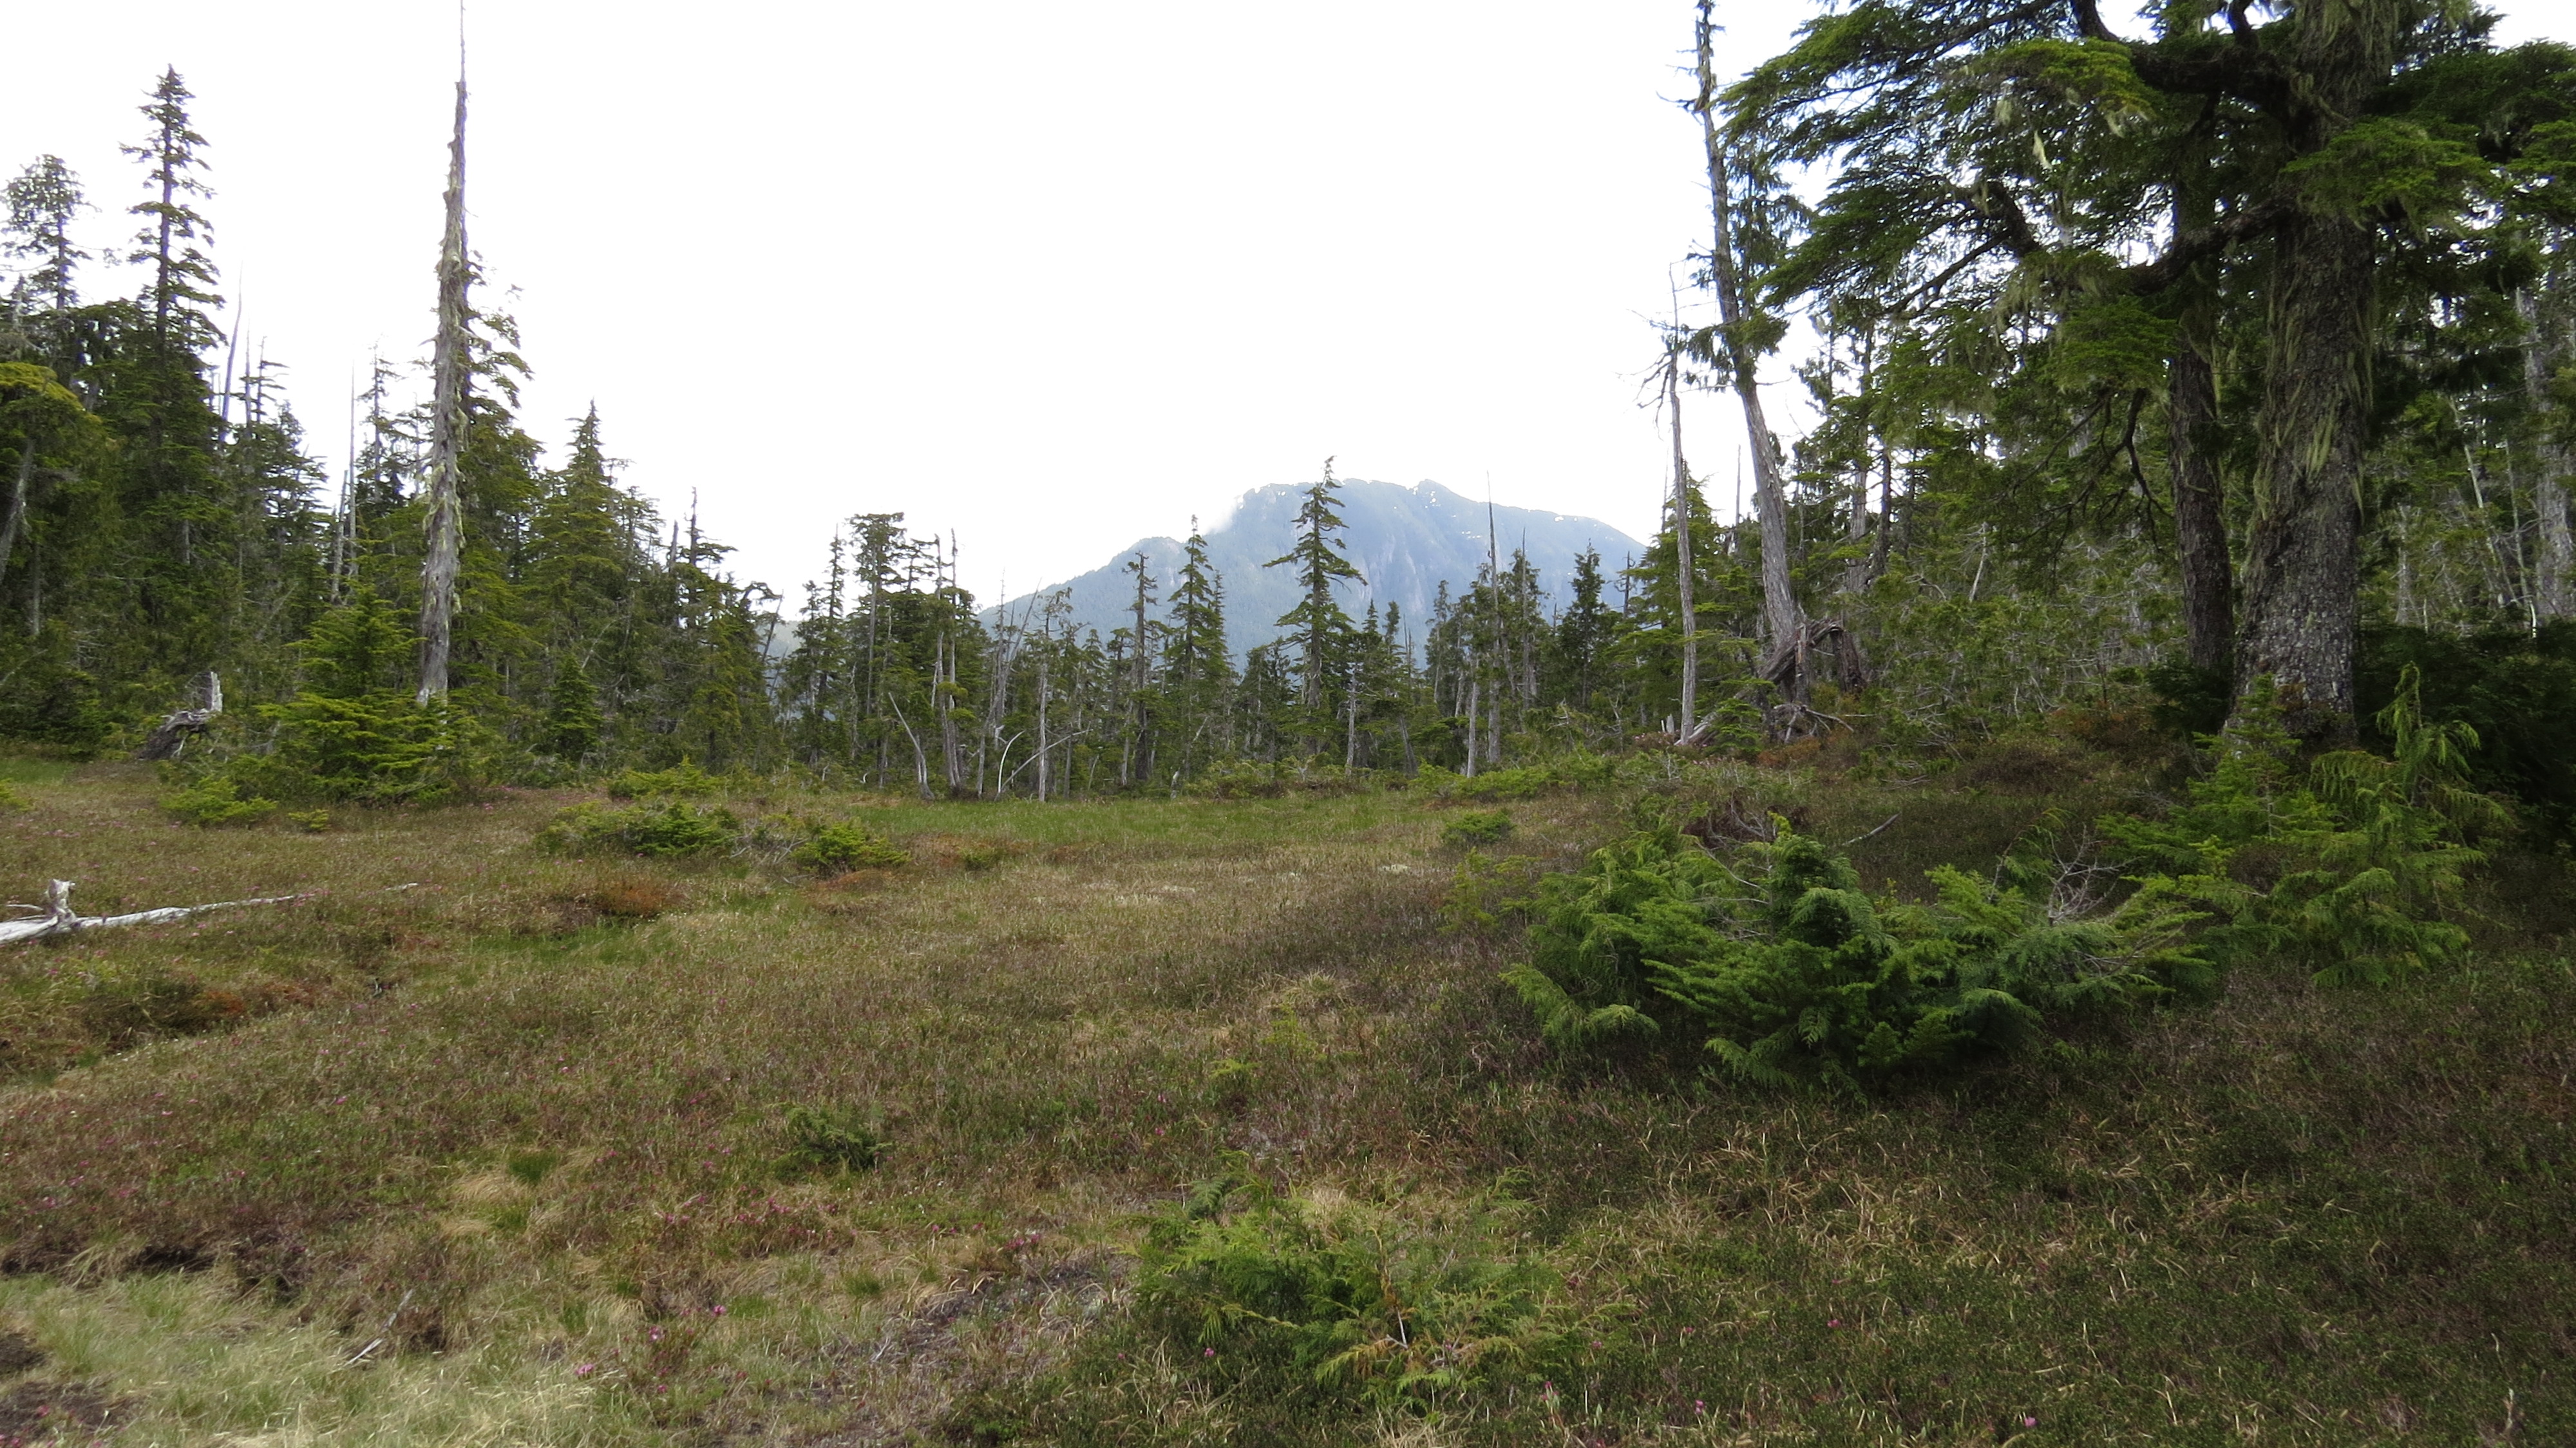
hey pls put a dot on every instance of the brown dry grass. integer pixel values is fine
(537, 1155)
(1033, 1011)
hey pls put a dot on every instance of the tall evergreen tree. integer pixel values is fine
(42, 200)
(1317, 625)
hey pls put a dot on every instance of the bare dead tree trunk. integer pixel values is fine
(2557, 563)
(173, 733)
(1856, 574)
(446, 522)
(1682, 568)
(1781, 617)
(18, 485)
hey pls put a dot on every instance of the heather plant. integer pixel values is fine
(668, 830)
(684, 780)
(1520, 782)
(824, 1138)
(1399, 1306)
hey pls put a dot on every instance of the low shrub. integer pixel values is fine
(830, 1139)
(839, 849)
(2348, 864)
(1795, 976)
(10, 798)
(372, 749)
(1229, 1084)
(217, 800)
(668, 830)
(682, 781)
(1525, 782)
(2515, 689)
(1273, 779)
(1477, 827)
(1399, 1308)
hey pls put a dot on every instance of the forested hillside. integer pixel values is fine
(2082, 419)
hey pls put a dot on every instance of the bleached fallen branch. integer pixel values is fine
(55, 916)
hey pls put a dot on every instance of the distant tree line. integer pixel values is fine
(2083, 418)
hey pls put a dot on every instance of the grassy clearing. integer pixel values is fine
(527, 1126)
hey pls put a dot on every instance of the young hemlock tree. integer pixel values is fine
(1318, 628)
(148, 377)
(1135, 645)
(177, 291)
(573, 723)
(42, 200)
(1198, 672)
(1581, 638)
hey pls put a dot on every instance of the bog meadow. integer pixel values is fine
(2048, 926)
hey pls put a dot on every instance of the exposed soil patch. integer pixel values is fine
(36, 1412)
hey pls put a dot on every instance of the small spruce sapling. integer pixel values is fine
(839, 849)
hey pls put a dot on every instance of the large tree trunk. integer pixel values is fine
(2303, 555)
(2303, 550)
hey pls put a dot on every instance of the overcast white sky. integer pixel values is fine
(1052, 276)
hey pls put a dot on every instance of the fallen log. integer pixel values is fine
(55, 916)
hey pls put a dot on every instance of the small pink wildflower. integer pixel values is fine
(2029, 1422)
(1211, 1352)
(585, 1370)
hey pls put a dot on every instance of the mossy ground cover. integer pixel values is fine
(489, 1161)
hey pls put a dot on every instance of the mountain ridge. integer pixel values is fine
(1406, 542)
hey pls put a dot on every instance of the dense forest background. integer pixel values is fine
(2153, 373)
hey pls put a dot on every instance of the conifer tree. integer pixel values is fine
(1582, 635)
(177, 290)
(573, 722)
(148, 377)
(1317, 625)
(1197, 668)
(42, 200)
